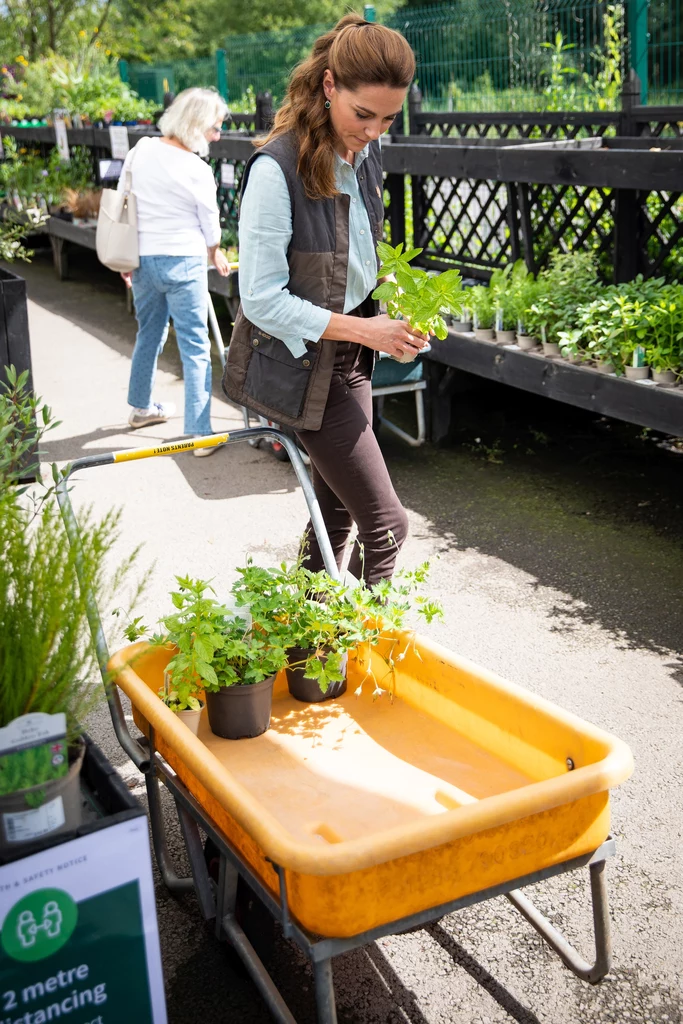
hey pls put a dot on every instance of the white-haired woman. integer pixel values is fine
(177, 224)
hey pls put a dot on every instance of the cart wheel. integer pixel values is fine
(279, 451)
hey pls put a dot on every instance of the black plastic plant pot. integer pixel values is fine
(240, 712)
(308, 690)
(49, 809)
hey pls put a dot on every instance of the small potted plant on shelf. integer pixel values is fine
(505, 319)
(463, 322)
(480, 302)
(571, 347)
(569, 280)
(664, 349)
(524, 290)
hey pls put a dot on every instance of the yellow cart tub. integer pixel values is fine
(452, 783)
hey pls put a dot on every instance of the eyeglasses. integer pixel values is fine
(216, 128)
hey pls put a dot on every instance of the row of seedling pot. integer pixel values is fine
(633, 329)
(226, 654)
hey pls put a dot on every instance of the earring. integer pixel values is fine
(327, 104)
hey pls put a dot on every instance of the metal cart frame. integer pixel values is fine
(218, 900)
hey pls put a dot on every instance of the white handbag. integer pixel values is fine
(116, 238)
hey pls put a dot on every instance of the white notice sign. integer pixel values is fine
(78, 933)
(227, 175)
(62, 140)
(118, 141)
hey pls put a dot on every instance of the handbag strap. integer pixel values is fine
(128, 184)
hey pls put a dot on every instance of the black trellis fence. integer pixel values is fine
(478, 190)
(478, 222)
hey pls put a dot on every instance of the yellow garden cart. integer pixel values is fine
(352, 819)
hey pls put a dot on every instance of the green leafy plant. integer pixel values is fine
(569, 281)
(664, 347)
(513, 291)
(560, 88)
(420, 298)
(480, 301)
(285, 607)
(621, 321)
(329, 618)
(47, 659)
(215, 647)
(87, 83)
(14, 229)
(604, 88)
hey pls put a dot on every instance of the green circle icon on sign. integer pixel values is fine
(39, 925)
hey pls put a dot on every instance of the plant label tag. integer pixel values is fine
(62, 140)
(227, 175)
(33, 750)
(118, 141)
(23, 826)
(639, 356)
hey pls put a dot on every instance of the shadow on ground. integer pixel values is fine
(586, 506)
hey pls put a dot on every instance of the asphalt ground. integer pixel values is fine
(556, 548)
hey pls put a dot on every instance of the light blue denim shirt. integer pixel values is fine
(265, 231)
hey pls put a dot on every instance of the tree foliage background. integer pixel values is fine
(150, 30)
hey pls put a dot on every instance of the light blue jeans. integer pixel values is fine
(174, 286)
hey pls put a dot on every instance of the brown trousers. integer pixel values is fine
(350, 476)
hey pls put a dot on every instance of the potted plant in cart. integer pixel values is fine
(322, 621)
(223, 654)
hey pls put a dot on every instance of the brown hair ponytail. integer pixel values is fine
(357, 52)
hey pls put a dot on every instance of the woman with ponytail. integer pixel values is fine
(307, 332)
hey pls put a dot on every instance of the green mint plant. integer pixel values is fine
(569, 281)
(297, 608)
(216, 648)
(501, 294)
(286, 607)
(420, 298)
(480, 301)
(664, 346)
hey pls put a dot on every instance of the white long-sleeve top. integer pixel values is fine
(176, 199)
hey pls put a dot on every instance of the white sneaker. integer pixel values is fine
(157, 413)
(203, 453)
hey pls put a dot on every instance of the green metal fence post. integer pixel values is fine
(638, 39)
(222, 73)
(123, 70)
(369, 12)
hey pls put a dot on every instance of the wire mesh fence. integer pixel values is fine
(504, 54)
(151, 81)
(494, 54)
(484, 55)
